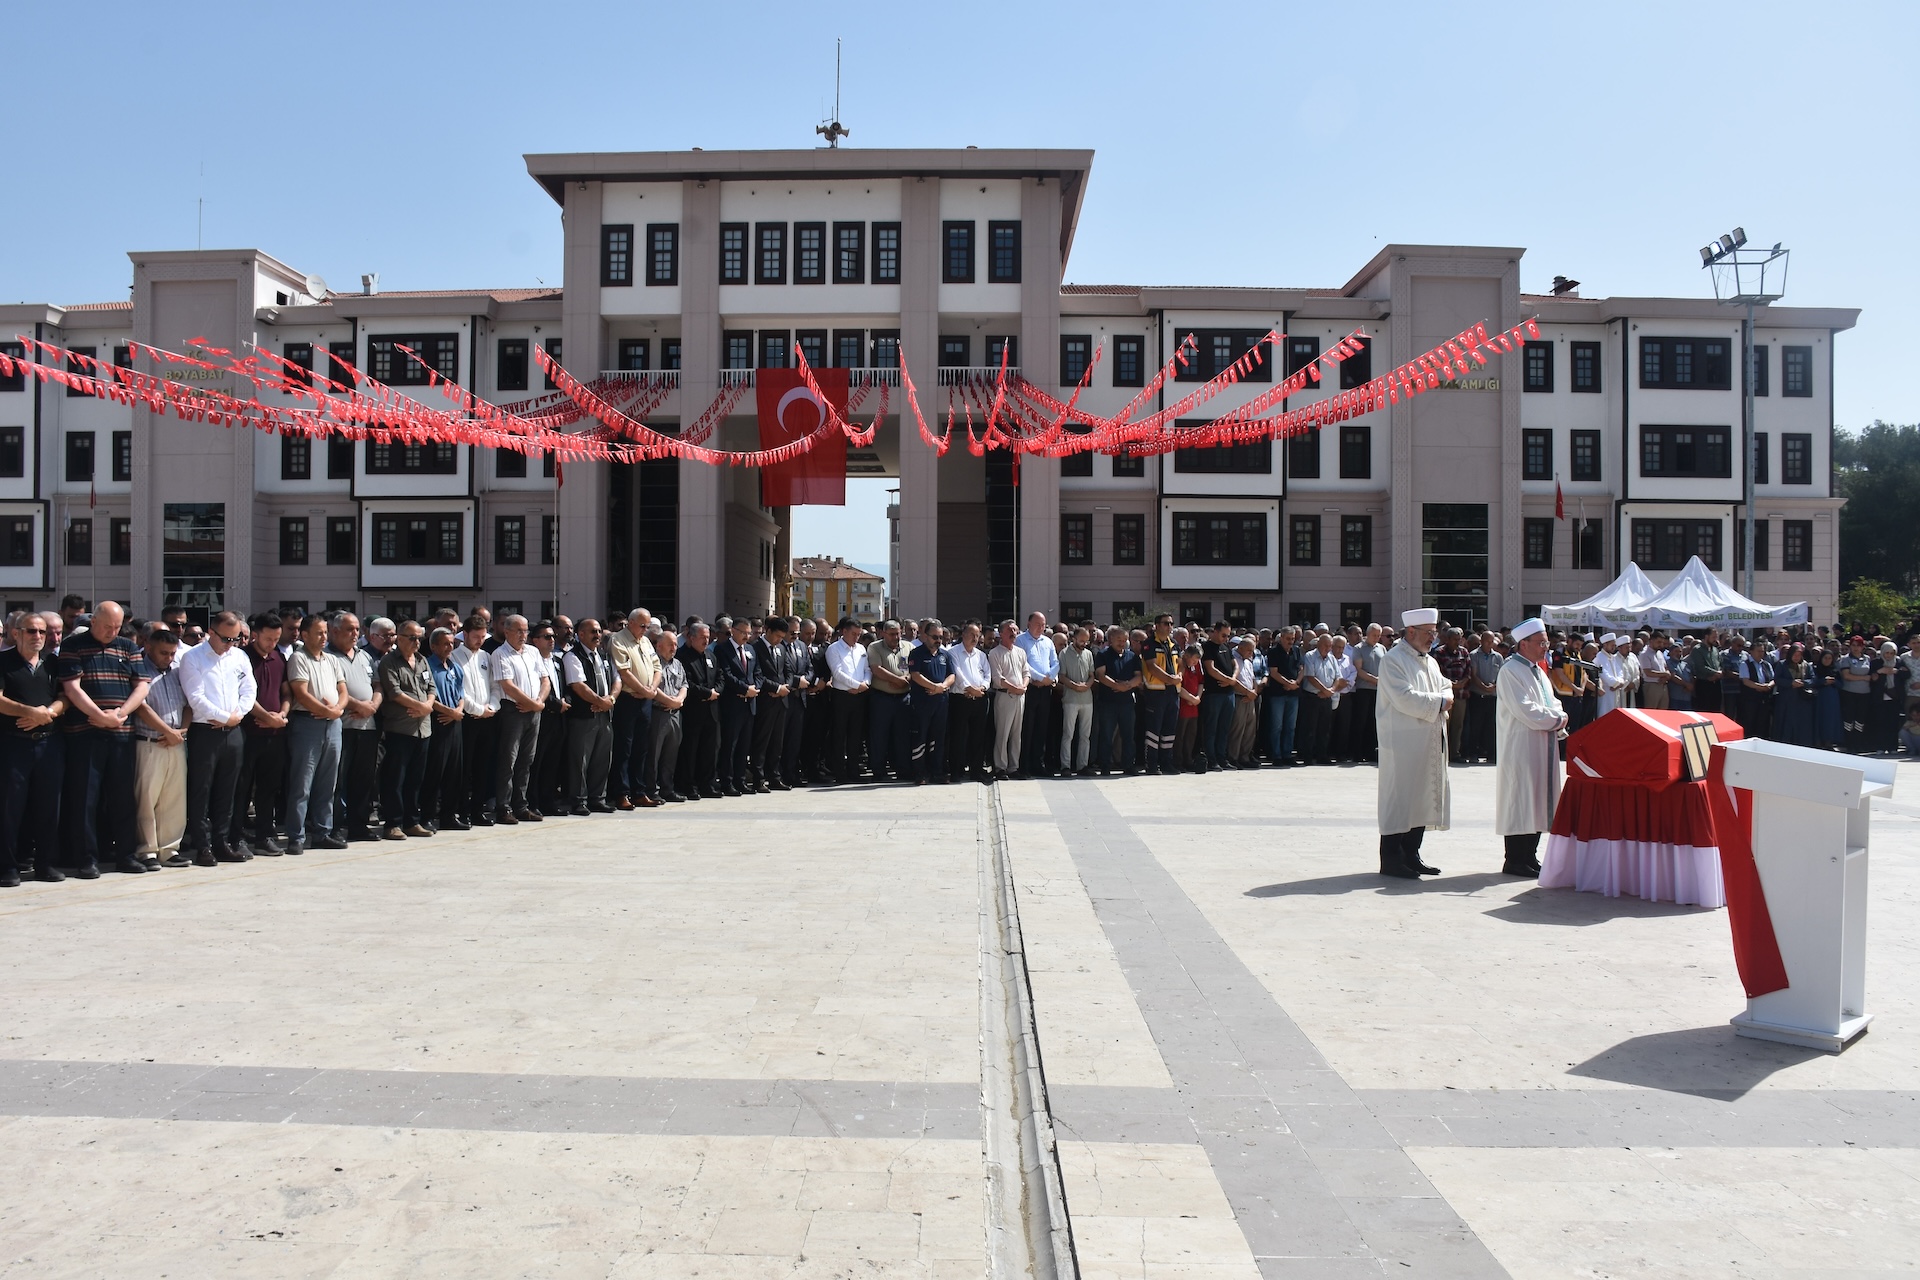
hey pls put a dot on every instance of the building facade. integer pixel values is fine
(828, 588)
(692, 270)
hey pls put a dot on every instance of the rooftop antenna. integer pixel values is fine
(833, 130)
(200, 210)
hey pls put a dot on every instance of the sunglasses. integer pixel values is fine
(33, 631)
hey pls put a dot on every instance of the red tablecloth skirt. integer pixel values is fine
(1629, 838)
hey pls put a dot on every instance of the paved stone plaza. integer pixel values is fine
(745, 1040)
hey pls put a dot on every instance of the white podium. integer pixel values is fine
(1810, 838)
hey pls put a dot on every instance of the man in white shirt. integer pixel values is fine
(1008, 664)
(521, 686)
(970, 703)
(852, 676)
(1043, 673)
(218, 683)
(636, 662)
(477, 726)
(1653, 673)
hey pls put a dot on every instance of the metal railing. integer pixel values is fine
(856, 378)
(976, 375)
(736, 378)
(666, 379)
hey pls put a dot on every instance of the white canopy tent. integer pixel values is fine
(1619, 604)
(1696, 600)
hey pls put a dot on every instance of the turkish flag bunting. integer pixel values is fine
(789, 412)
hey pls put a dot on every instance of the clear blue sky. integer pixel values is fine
(1234, 144)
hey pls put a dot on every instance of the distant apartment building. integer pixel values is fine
(832, 589)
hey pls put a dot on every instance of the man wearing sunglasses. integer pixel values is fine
(218, 682)
(32, 755)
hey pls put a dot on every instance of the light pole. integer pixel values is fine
(1753, 277)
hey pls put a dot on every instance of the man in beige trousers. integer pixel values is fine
(160, 756)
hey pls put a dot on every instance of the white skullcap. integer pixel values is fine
(1609, 638)
(1420, 617)
(1531, 627)
(1320, 626)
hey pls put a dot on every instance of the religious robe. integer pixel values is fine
(1526, 785)
(1613, 681)
(1412, 719)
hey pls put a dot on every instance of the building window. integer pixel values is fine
(340, 357)
(1218, 349)
(547, 463)
(1589, 544)
(1586, 454)
(1129, 465)
(634, 355)
(339, 458)
(1003, 252)
(1302, 614)
(509, 539)
(1586, 366)
(956, 257)
(1536, 449)
(1222, 538)
(296, 458)
(550, 540)
(343, 543)
(770, 256)
(1301, 352)
(17, 543)
(956, 351)
(663, 253)
(1356, 541)
(736, 349)
(773, 349)
(733, 253)
(809, 253)
(293, 539)
(1076, 539)
(78, 367)
(17, 380)
(1238, 614)
(1539, 543)
(1129, 360)
(1760, 458)
(13, 452)
(1796, 546)
(553, 356)
(80, 541)
(119, 540)
(419, 538)
(1685, 452)
(297, 354)
(886, 253)
(509, 464)
(1357, 369)
(1356, 452)
(1760, 548)
(388, 364)
(849, 252)
(1760, 369)
(849, 347)
(616, 255)
(437, 459)
(1686, 364)
(1456, 561)
(1077, 465)
(1356, 615)
(1538, 367)
(1129, 612)
(1303, 545)
(510, 365)
(1076, 355)
(670, 353)
(79, 456)
(193, 558)
(122, 466)
(1667, 544)
(1129, 539)
(1255, 459)
(1796, 371)
(886, 348)
(1796, 458)
(1303, 456)
(1076, 612)
(813, 346)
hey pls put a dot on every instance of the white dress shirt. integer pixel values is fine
(970, 670)
(481, 695)
(523, 666)
(848, 663)
(219, 686)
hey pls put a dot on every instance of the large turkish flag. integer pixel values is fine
(789, 412)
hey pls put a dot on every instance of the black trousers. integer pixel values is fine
(849, 731)
(794, 738)
(632, 741)
(1523, 848)
(550, 764)
(887, 744)
(32, 772)
(817, 749)
(352, 796)
(443, 788)
(480, 736)
(968, 736)
(699, 747)
(213, 773)
(736, 741)
(1036, 730)
(1160, 712)
(929, 736)
(402, 766)
(1113, 715)
(1364, 738)
(1402, 848)
(263, 784)
(1480, 726)
(770, 739)
(1315, 733)
(96, 806)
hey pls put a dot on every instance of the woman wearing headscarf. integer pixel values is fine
(1793, 698)
(1826, 700)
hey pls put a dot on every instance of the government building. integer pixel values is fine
(690, 271)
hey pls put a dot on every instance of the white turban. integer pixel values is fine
(1531, 627)
(1420, 617)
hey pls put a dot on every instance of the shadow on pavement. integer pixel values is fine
(1359, 881)
(1567, 907)
(1709, 1062)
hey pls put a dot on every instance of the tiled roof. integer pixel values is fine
(819, 568)
(100, 306)
(498, 295)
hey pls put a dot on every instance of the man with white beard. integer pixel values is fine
(1414, 698)
(1526, 785)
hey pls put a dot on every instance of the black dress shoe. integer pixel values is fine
(86, 871)
(579, 811)
(130, 867)
(178, 860)
(601, 808)
(530, 815)
(1399, 871)
(360, 835)
(482, 819)
(458, 824)
(731, 790)
(1423, 869)
(205, 858)
(9, 879)
(1529, 870)
(672, 797)
(294, 849)
(265, 850)
(221, 853)
(708, 793)
(329, 841)
(49, 875)
(505, 819)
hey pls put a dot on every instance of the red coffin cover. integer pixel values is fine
(1633, 745)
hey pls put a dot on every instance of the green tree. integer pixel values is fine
(1878, 473)
(1874, 607)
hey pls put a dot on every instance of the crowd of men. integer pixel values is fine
(133, 745)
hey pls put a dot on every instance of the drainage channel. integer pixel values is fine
(1028, 1231)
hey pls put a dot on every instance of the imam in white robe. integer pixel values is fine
(1526, 784)
(1410, 713)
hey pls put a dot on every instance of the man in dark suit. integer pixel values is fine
(700, 717)
(800, 663)
(778, 681)
(739, 669)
